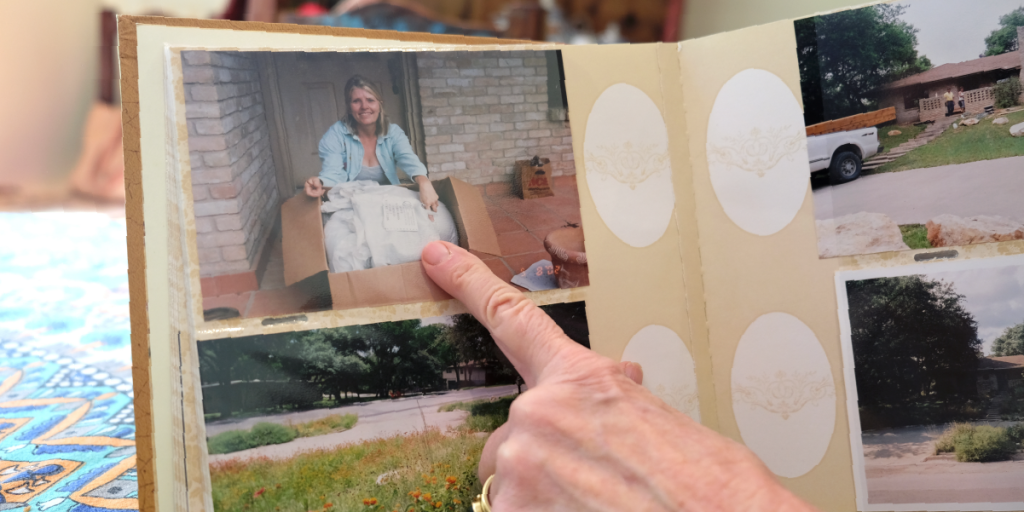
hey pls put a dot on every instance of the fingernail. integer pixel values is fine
(436, 253)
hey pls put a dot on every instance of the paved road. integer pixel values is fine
(376, 419)
(989, 187)
(900, 468)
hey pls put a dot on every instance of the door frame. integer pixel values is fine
(273, 110)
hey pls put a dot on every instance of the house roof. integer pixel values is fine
(1000, 363)
(1006, 61)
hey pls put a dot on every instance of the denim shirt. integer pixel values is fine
(341, 154)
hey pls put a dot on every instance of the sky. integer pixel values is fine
(995, 296)
(955, 30)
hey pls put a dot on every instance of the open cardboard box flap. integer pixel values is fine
(305, 253)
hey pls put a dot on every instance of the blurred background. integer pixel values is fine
(59, 128)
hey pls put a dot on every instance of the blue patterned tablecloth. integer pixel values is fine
(67, 432)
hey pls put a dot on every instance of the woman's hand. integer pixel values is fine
(428, 196)
(586, 436)
(314, 187)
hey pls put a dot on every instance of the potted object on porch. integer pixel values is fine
(569, 256)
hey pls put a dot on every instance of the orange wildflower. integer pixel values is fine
(451, 479)
(259, 492)
(328, 505)
(437, 505)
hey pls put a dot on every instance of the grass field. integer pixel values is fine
(263, 434)
(915, 236)
(983, 141)
(429, 470)
(907, 133)
(484, 415)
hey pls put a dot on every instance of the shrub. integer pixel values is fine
(984, 444)
(946, 443)
(263, 434)
(326, 425)
(1016, 433)
(227, 442)
(1007, 93)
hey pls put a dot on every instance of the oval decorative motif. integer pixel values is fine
(783, 395)
(757, 152)
(628, 169)
(669, 370)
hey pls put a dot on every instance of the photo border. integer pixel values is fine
(849, 376)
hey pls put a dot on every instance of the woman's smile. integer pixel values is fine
(364, 106)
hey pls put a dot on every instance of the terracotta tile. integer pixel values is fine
(500, 269)
(523, 261)
(505, 203)
(482, 255)
(282, 302)
(499, 189)
(558, 201)
(237, 283)
(209, 287)
(565, 182)
(540, 220)
(504, 224)
(238, 301)
(518, 243)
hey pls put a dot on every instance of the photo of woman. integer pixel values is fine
(367, 146)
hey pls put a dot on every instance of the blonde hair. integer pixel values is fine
(363, 83)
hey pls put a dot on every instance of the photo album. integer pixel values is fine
(807, 233)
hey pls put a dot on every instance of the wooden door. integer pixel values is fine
(310, 97)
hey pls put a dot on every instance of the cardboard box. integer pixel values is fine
(533, 181)
(305, 252)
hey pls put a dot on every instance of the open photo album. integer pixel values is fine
(808, 234)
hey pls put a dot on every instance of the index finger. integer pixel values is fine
(526, 334)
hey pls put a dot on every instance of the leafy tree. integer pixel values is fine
(472, 342)
(1010, 342)
(912, 337)
(1004, 38)
(327, 364)
(846, 57)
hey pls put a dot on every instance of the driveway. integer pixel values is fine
(989, 187)
(901, 469)
(379, 418)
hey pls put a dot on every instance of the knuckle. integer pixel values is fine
(504, 304)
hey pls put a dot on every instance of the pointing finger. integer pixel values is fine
(525, 333)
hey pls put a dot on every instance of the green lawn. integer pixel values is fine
(484, 415)
(411, 470)
(263, 433)
(983, 141)
(915, 236)
(907, 133)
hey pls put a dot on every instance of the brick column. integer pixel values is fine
(233, 174)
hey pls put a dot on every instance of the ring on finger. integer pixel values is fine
(482, 503)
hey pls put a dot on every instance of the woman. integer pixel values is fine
(366, 146)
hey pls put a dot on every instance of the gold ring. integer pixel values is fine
(482, 503)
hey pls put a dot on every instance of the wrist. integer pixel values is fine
(421, 179)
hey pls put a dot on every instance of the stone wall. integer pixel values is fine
(482, 111)
(233, 175)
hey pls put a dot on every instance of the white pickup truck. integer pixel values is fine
(842, 153)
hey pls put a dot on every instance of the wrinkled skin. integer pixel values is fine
(586, 436)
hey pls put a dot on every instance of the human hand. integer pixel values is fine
(428, 196)
(586, 436)
(314, 187)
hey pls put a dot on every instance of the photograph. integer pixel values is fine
(388, 416)
(318, 177)
(937, 407)
(914, 114)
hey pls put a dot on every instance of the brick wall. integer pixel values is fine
(482, 111)
(233, 176)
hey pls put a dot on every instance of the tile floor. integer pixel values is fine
(521, 226)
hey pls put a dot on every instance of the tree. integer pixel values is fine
(472, 342)
(912, 337)
(1004, 38)
(1010, 342)
(846, 57)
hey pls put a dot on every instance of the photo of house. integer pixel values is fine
(394, 412)
(937, 398)
(914, 114)
(474, 148)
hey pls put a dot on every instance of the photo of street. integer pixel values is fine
(939, 365)
(914, 134)
(394, 413)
